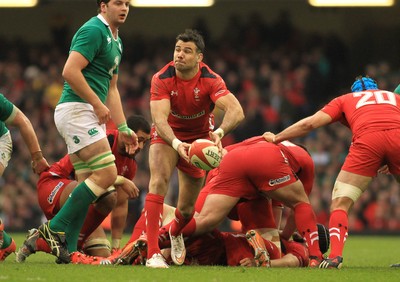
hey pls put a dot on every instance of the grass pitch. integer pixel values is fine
(366, 258)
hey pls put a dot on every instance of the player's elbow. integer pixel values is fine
(238, 114)
(67, 74)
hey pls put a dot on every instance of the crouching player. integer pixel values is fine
(55, 185)
(218, 248)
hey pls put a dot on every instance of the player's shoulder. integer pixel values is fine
(93, 27)
(166, 72)
(207, 72)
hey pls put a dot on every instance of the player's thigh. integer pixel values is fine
(66, 192)
(290, 195)
(162, 161)
(216, 208)
(354, 179)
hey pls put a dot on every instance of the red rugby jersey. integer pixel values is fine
(192, 101)
(366, 111)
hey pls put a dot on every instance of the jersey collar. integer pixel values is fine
(100, 17)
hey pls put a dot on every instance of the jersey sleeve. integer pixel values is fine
(7, 109)
(87, 42)
(218, 89)
(334, 109)
(158, 89)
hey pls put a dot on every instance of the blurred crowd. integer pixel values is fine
(278, 72)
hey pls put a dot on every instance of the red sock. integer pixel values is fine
(189, 228)
(41, 246)
(138, 229)
(338, 230)
(93, 219)
(306, 224)
(153, 209)
(273, 250)
(179, 222)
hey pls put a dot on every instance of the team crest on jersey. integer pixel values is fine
(124, 170)
(108, 39)
(196, 94)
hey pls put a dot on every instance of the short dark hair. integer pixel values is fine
(99, 2)
(192, 35)
(137, 122)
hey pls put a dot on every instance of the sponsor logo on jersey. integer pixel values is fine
(93, 132)
(278, 181)
(202, 113)
(174, 93)
(220, 92)
(54, 192)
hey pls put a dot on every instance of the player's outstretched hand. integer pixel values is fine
(102, 113)
(269, 137)
(248, 262)
(39, 165)
(131, 190)
(216, 138)
(129, 138)
(183, 151)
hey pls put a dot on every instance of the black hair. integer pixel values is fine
(192, 35)
(137, 122)
(99, 2)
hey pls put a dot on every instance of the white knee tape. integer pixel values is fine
(342, 189)
(96, 189)
(96, 243)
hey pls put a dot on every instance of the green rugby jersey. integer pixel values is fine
(95, 42)
(7, 110)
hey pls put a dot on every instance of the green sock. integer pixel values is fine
(6, 240)
(72, 233)
(76, 205)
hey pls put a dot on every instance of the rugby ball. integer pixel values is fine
(204, 154)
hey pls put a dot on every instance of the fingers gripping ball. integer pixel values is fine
(204, 154)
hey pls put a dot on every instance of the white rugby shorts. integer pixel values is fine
(78, 125)
(5, 149)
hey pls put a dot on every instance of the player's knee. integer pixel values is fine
(158, 186)
(97, 247)
(104, 171)
(107, 201)
(344, 195)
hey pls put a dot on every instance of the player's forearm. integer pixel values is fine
(233, 116)
(115, 106)
(298, 129)
(165, 131)
(28, 135)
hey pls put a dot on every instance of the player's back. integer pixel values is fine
(366, 111)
